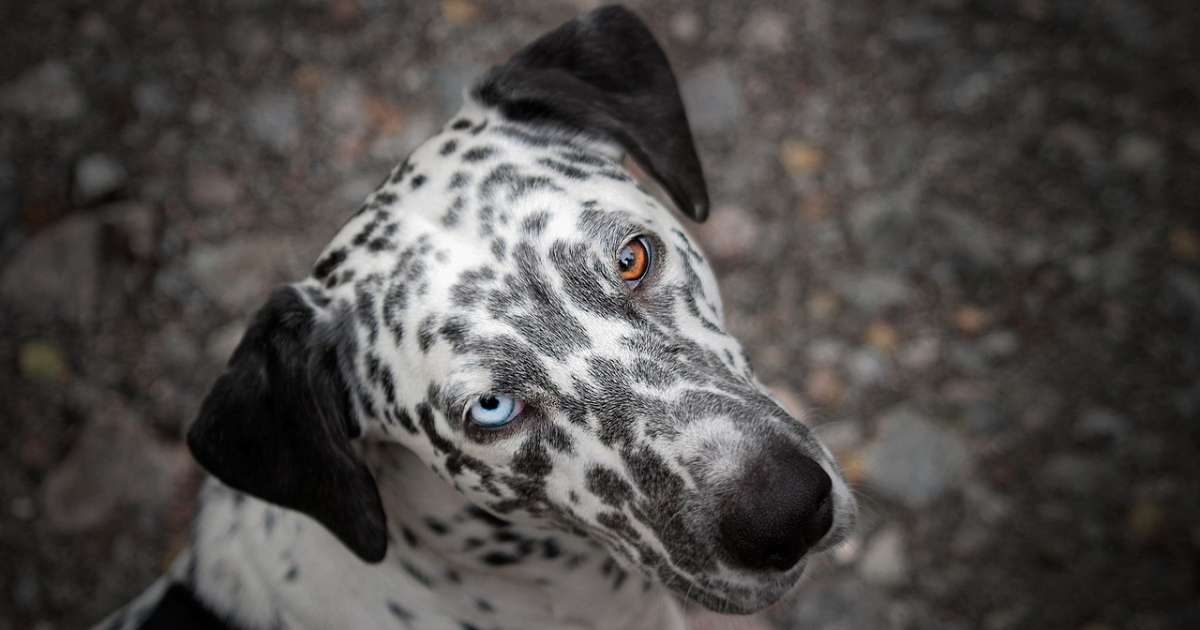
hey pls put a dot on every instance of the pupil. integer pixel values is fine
(489, 402)
(626, 259)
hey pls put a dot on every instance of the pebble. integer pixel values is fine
(971, 319)
(85, 490)
(872, 291)
(239, 274)
(730, 233)
(32, 280)
(884, 561)
(685, 25)
(767, 30)
(1100, 423)
(713, 97)
(800, 158)
(154, 99)
(1184, 243)
(97, 176)
(867, 367)
(48, 91)
(825, 387)
(921, 353)
(273, 119)
(209, 187)
(42, 360)
(882, 336)
(1139, 153)
(914, 461)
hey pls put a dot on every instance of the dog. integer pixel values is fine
(505, 397)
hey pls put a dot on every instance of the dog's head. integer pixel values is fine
(519, 307)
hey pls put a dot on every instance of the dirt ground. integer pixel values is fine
(964, 234)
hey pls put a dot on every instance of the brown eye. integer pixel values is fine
(633, 261)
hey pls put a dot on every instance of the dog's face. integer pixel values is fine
(519, 307)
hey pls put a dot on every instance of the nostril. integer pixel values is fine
(820, 522)
(782, 506)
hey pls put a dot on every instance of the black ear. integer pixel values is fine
(604, 73)
(278, 424)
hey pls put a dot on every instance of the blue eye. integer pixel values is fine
(492, 411)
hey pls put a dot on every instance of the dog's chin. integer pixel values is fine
(760, 593)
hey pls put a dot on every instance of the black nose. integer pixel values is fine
(780, 508)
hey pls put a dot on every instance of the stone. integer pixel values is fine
(1100, 423)
(48, 91)
(32, 280)
(921, 354)
(767, 30)
(43, 361)
(882, 336)
(685, 25)
(97, 176)
(730, 233)
(872, 292)
(209, 187)
(708, 620)
(713, 97)
(273, 119)
(238, 275)
(800, 158)
(971, 319)
(843, 602)
(154, 99)
(115, 463)
(884, 561)
(914, 461)
(867, 367)
(1139, 153)
(825, 387)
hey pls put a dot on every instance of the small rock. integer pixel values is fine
(713, 97)
(1000, 344)
(154, 99)
(841, 436)
(273, 118)
(799, 158)
(48, 91)
(459, 12)
(822, 305)
(768, 30)
(867, 367)
(971, 319)
(884, 562)
(872, 292)
(731, 233)
(708, 620)
(1184, 243)
(238, 275)
(1146, 520)
(98, 176)
(922, 353)
(32, 280)
(914, 461)
(1139, 153)
(685, 25)
(1103, 424)
(209, 187)
(1073, 474)
(882, 336)
(824, 387)
(843, 602)
(43, 361)
(115, 462)
(223, 341)
(826, 351)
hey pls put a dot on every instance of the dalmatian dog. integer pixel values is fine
(505, 398)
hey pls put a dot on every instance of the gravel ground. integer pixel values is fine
(965, 234)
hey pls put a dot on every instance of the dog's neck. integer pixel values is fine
(448, 565)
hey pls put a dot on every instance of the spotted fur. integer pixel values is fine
(349, 488)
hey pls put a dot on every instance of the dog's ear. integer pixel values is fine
(605, 73)
(278, 424)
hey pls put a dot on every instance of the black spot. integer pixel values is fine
(608, 486)
(329, 263)
(499, 559)
(425, 333)
(436, 526)
(449, 147)
(292, 573)
(409, 536)
(417, 181)
(484, 605)
(460, 124)
(459, 180)
(399, 612)
(478, 154)
(566, 170)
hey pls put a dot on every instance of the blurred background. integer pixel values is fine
(964, 234)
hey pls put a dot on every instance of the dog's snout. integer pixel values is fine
(780, 508)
